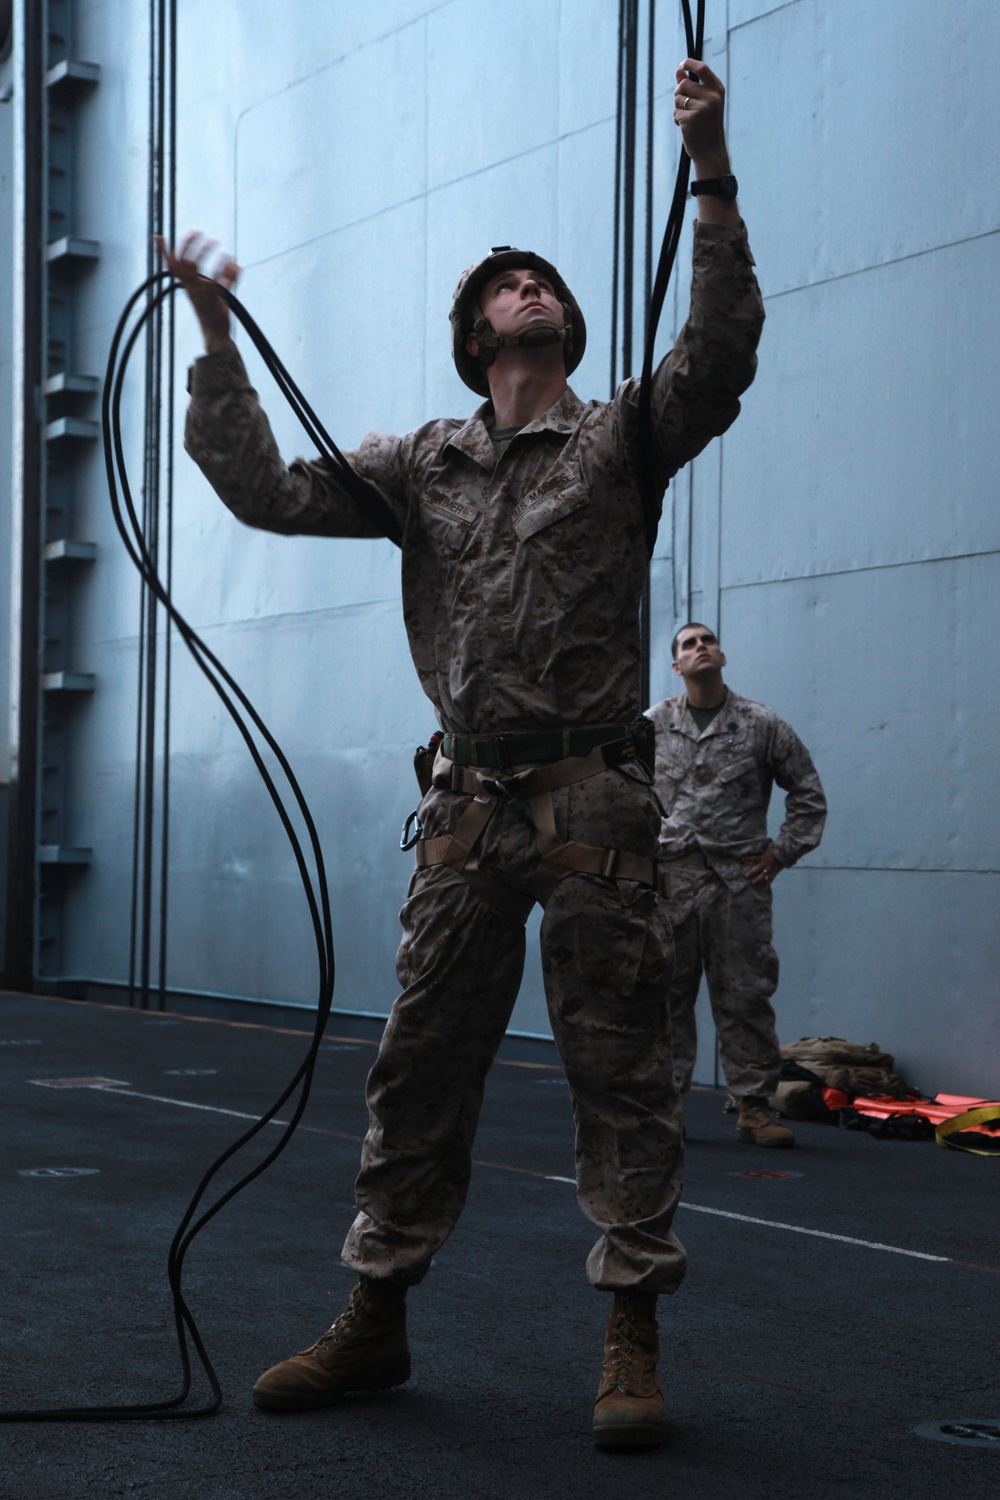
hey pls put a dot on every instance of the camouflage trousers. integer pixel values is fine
(606, 959)
(726, 934)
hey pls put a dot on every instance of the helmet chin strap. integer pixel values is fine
(531, 338)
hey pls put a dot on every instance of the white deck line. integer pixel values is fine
(698, 1208)
(820, 1234)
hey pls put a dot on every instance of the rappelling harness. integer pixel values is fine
(485, 768)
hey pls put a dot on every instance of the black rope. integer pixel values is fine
(154, 291)
(616, 245)
(623, 260)
(650, 136)
(628, 190)
(652, 499)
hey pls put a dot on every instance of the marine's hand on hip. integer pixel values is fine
(764, 869)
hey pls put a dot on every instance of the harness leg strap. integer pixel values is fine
(558, 858)
(575, 858)
(458, 850)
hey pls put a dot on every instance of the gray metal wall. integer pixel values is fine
(844, 535)
(6, 393)
(6, 456)
(847, 529)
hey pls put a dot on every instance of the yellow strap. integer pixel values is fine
(961, 1122)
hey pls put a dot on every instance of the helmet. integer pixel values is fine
(467, 318)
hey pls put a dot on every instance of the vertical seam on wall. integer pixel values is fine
(558, 151)
(718, 543)
(688, 606)
(426, 197)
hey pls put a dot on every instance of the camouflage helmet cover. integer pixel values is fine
(465, 311)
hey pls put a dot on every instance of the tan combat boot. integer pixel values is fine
(629, 1410)
(758, 1125)
(365, 1350)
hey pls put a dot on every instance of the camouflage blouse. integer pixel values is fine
(522, 576)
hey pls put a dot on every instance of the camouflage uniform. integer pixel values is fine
(715, 786)
(521, 586)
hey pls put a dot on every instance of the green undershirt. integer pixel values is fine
(500, 438)
(704, 716)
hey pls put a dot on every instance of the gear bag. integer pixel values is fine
(856, 1085)
(815, 1065)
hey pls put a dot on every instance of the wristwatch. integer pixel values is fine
(717, 187)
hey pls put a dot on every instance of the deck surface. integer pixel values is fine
(838, 1295)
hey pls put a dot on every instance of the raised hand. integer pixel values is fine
(188, 264)
(699, 113)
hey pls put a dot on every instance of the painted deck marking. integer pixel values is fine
(110, 1086)
(820, 1234)
(235, 1114)
(969, 1432)
(58, 1171)
(122, 1010)
(79, 1083)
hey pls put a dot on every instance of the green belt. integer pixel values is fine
(500, 751)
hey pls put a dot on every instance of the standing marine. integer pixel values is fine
(524, 557)
(718, 756)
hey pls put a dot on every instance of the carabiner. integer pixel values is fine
(408, 839)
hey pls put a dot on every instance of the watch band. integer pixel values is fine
(716, 187)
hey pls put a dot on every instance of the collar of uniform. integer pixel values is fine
(561, 417)
(473, 438)
(717, 726)
(679, 721)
